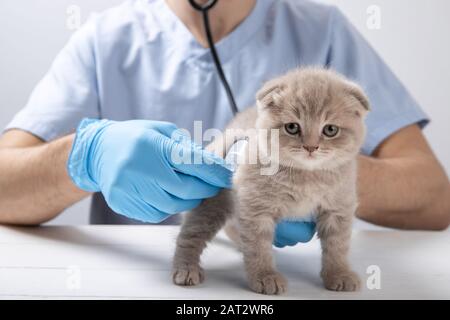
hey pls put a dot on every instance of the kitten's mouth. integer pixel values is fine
(305, 154)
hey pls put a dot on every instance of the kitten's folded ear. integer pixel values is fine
(269, 94)
(357, 92)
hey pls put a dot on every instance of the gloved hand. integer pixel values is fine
(137, 167)
(289, 233)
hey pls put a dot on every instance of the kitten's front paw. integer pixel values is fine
(272, 283)
(188, 275)
(341, 281)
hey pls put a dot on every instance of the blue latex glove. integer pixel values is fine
(289, 233)
(132, 164)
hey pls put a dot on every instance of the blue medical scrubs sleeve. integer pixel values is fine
(66, 94)
(392, 105)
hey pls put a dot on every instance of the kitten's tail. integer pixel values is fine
(232, 231)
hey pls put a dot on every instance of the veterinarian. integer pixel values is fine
(93, 124)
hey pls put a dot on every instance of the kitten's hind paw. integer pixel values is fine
(271, 283)
(341, 281)
(189, 275)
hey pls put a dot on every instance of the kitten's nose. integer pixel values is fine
(311, 149)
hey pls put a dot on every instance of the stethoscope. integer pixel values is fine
(204, 9)
(238, 148)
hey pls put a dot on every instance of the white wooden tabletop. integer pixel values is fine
(134, 262)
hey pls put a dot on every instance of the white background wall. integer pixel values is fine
(414, 39)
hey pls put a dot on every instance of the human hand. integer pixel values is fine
(132, 163)
(291, 232)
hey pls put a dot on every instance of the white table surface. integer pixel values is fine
(122, 262)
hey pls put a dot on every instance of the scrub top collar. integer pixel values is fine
(183, 40)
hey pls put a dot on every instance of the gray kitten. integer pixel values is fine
(320, 117)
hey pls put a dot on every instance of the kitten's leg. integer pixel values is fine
(199, 227)
(256, 233)
(334, 229)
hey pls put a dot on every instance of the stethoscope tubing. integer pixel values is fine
(204, 10)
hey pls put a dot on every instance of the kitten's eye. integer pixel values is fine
(330, 130)
(292, 128)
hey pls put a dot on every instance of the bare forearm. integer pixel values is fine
(34, 184)
(403, 193)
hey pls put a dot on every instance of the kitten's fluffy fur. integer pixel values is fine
(323, 182)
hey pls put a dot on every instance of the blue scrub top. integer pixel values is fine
(139, 61)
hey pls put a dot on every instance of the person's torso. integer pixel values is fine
(149, 66)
